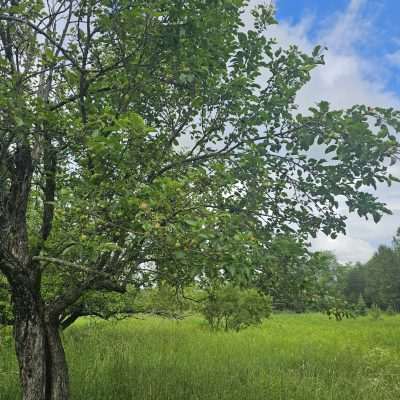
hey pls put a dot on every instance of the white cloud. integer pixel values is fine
(346, 249)
(394, 58)
(344, 29)
(348, 78)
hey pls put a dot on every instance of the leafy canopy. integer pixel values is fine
(148, 140)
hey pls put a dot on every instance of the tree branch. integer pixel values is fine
(40, 31)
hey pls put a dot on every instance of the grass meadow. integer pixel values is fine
(290, 357)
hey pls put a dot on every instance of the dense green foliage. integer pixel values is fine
(296, 278)
(297, 357)
(230, 307)
(377, 281)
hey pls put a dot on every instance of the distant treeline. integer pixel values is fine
(320, 282)
(377, 281)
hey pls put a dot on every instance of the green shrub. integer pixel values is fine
(233, 308)
(338, 308)
(375, 312)
(361, 307)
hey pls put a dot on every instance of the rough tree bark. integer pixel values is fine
(40, 353)
(30, 343)
(57, 387)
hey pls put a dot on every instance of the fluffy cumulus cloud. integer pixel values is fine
(348, 78)
(347, 249)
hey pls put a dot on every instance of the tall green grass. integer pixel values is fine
(290, 357)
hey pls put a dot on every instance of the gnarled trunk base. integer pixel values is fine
(40, 354)
(30, 345)
(57, 369)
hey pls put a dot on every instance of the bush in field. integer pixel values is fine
(233, 308)
(338, 308)
(361, 307)
(375, 312)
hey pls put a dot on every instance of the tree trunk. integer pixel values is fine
(40, 354)
(57, 369)
(30, 345)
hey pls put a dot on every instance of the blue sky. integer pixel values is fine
(362, 67)
(381, 16)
